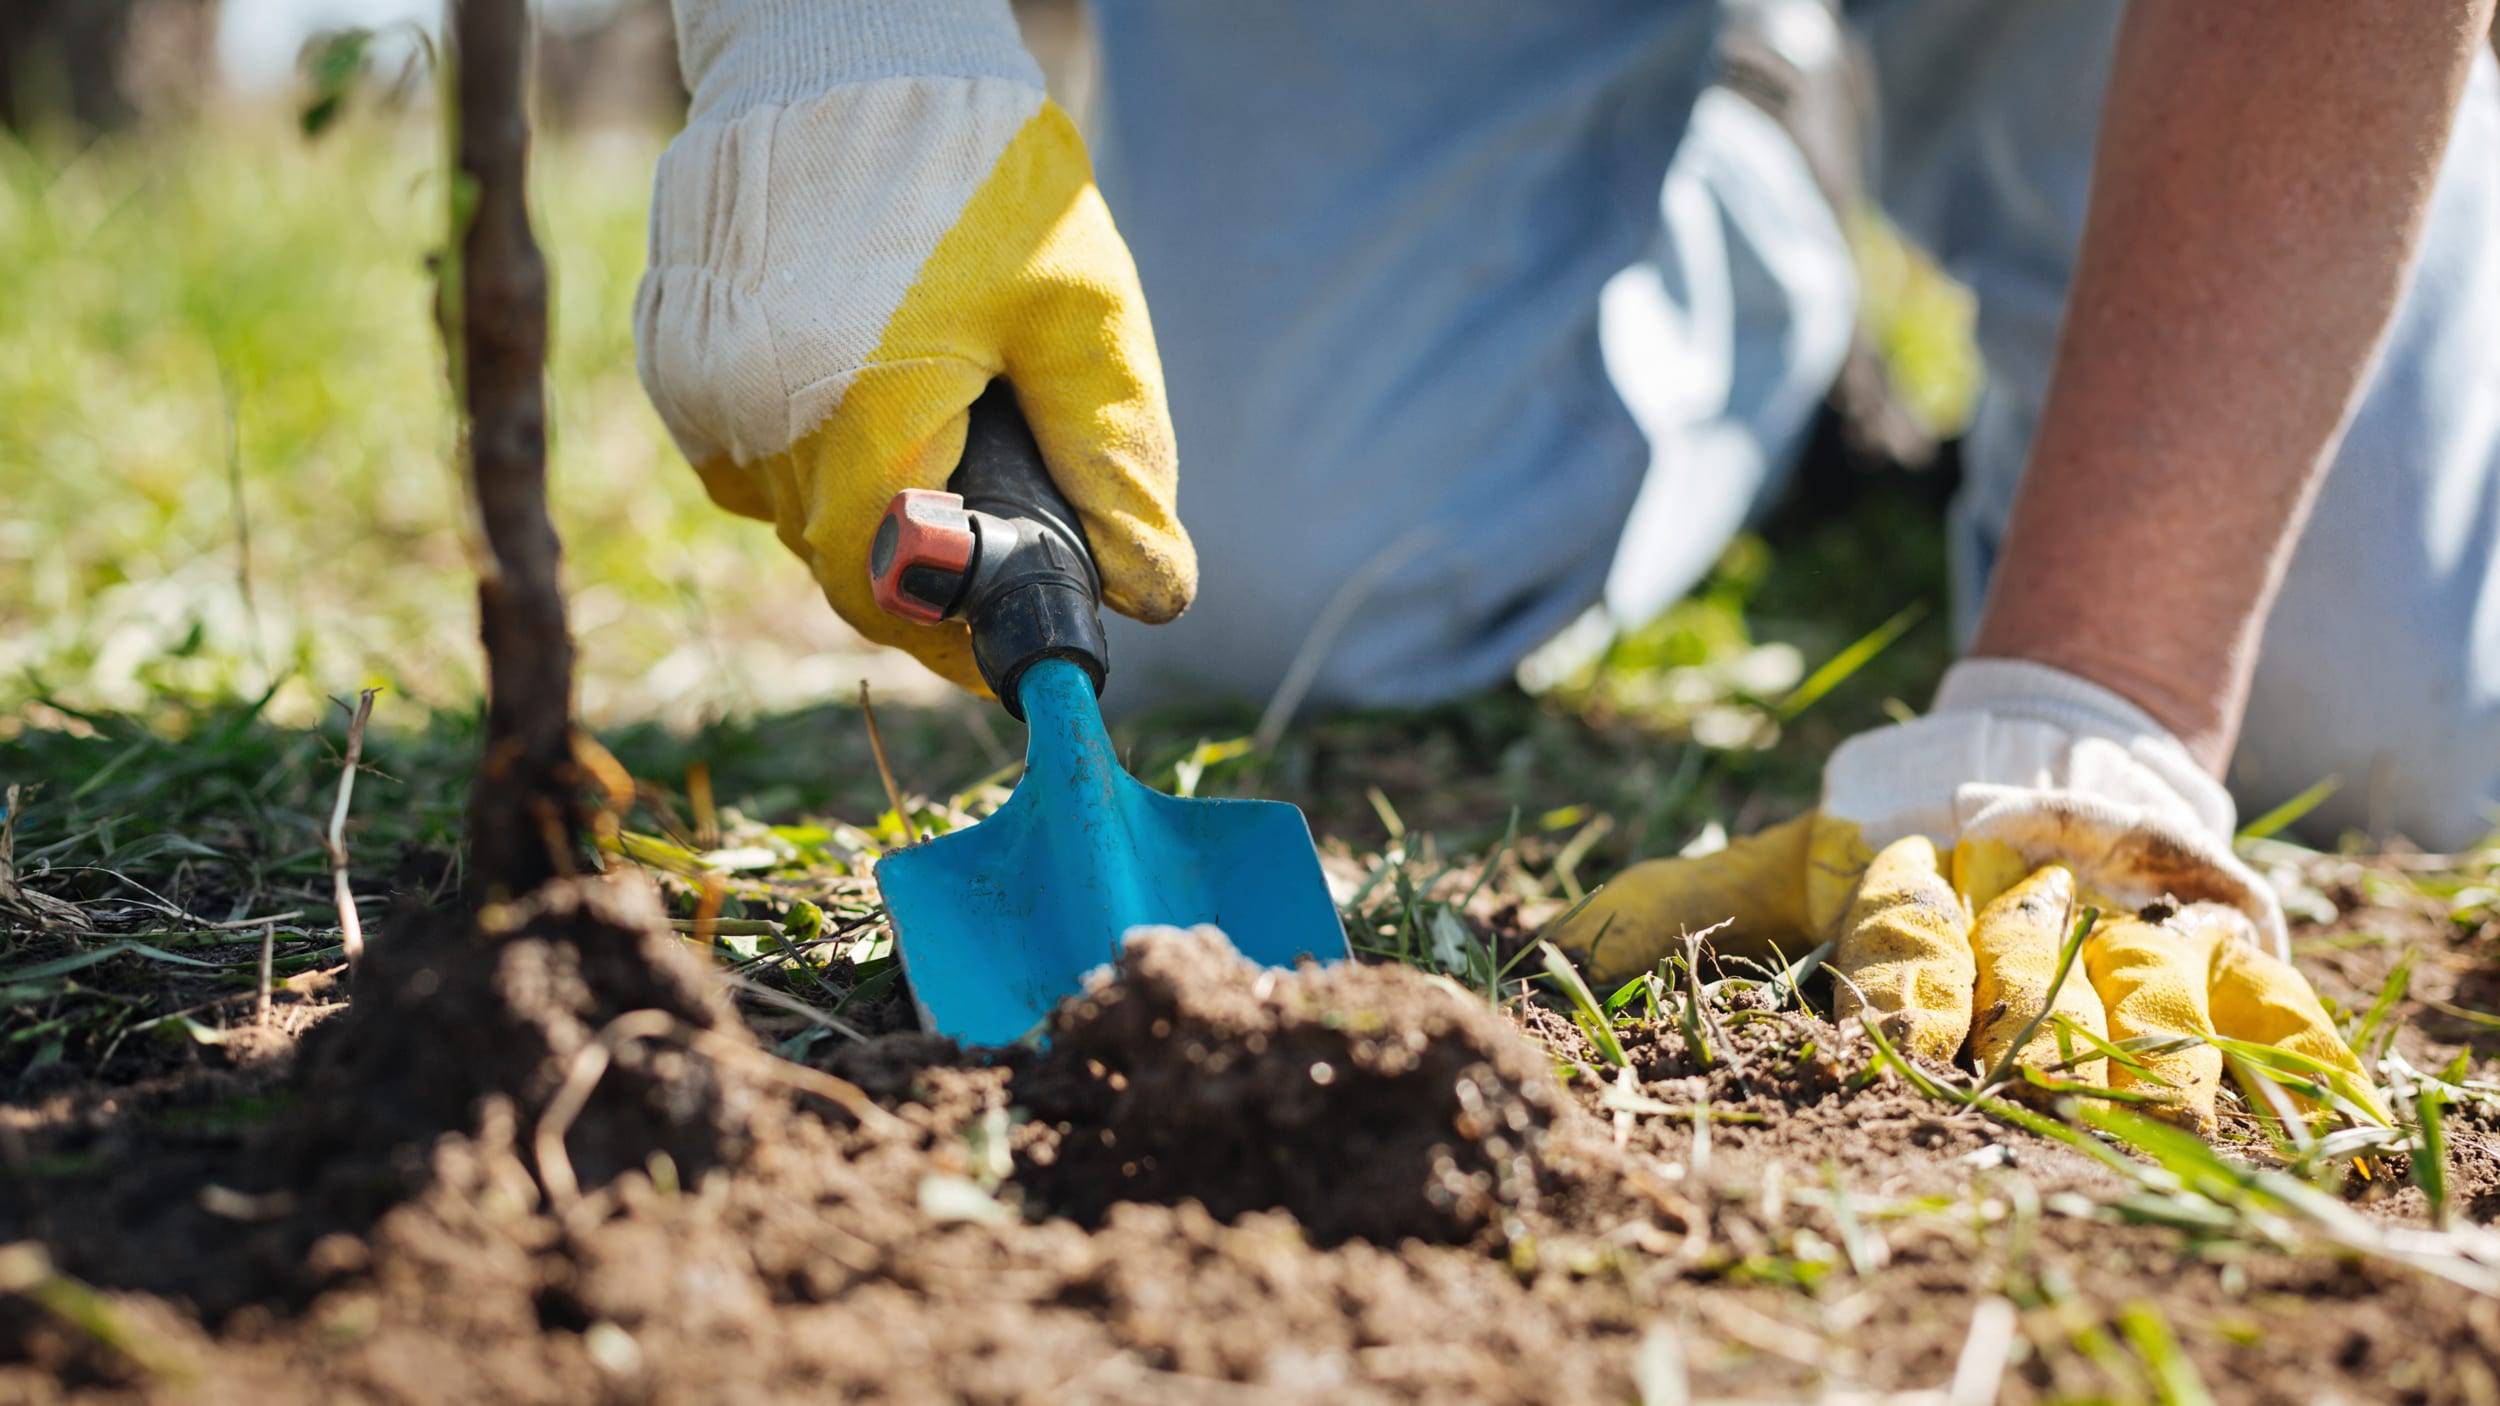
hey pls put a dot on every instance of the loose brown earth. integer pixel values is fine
(552, 1167)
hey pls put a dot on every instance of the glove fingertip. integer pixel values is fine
(1155, 579)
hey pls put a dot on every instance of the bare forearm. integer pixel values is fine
(2260, 189)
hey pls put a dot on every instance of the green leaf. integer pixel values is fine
(80, 961)
(332, 63)
(2123, 1054)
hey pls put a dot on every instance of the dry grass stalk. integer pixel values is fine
(268, 952)
(334, 841)
(885, 769)
(699, 798)
(40, 910)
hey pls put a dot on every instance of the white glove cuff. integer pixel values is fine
(2018, 690)
(739, 55)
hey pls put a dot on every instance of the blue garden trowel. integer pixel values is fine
(999, 922)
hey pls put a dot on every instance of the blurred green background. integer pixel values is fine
(229, 497)
(228, 450)
(230, 478)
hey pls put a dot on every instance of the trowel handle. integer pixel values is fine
(998, 548)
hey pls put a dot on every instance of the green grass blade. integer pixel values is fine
(80, 961)
(2399, 981)
(2344, 1090)
(2121, 1054)
(2175, 1381)
(2430, 1159)
(1836, 670)
(2288, 814)
(1592, 1016)
(2065, 966)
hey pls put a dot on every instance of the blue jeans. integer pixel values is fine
(1487, 320)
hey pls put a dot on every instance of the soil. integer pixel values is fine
(1218, 1184)
(1368, 1104)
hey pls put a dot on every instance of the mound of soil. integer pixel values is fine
(1371, 1102)
(546, 1048)
(578, 994)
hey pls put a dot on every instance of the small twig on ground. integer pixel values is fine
(303, 983)
(238, 924)
(1701, 1006)
(351, 927)
(885, 772)
(760, 992)
(155, 900)
(268, 950)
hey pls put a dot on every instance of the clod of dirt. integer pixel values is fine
(542, 1051)
(575, 1005)
(1372, 1102)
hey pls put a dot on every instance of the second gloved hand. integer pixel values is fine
(873, 212)
(1946, 864)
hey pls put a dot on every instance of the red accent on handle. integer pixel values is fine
(923, 527)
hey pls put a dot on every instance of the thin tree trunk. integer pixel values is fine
(524, 823)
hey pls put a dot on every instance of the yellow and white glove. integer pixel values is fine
(1946, 863)
(872, 212)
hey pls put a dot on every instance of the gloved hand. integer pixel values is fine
(872, 212)
(2025, 795)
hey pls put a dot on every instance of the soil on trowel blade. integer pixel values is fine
(1371, 1102)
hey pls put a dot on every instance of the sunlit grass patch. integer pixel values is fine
(227, 452)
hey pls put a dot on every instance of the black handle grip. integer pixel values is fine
(1001, 550)
(1034, 592)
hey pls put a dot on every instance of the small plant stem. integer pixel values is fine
(1701, 1007)
(524, 820)
(268, 949)
(334, 841)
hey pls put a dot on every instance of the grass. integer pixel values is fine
(226, 442)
